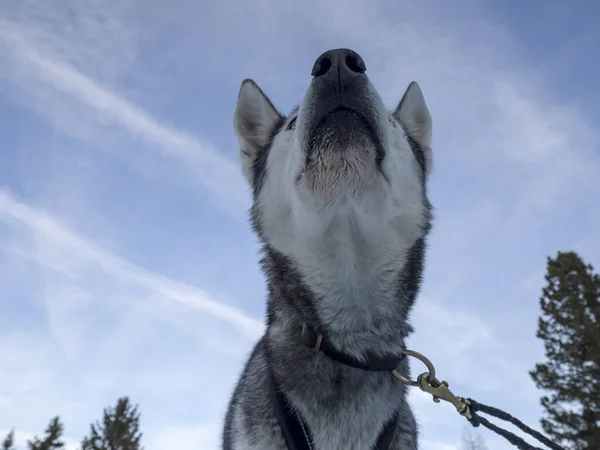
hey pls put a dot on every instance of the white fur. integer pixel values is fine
(349, 240)
(365, 421)
(348, 245)
(253, 121)
(415, 118)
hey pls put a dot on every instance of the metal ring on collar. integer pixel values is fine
(430, 369)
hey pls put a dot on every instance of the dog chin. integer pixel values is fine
(332, 174)
(343, 130)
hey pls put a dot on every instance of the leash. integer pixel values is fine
(469, 408)
(297, 434)
(515, 440)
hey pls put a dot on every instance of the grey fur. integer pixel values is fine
(338, 254)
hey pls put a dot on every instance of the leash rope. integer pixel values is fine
(427, 382)
(469, 408)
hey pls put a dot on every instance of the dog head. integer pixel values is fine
(339, 156)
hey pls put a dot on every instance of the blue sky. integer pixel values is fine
(127, 266)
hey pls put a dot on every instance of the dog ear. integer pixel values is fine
(414, 116)
(254, 121)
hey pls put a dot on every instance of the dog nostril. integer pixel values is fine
(321, 67)
(355, 63)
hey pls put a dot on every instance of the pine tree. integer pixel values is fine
(9, 441)
(570, 328)
(52, 440)
(119, 429)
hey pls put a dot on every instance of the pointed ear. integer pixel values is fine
(414, 116)
(254, 121)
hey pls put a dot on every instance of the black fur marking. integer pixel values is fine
(228, 439)
(256, 406)
(285, 282)
(416, 148)
(259, 164)
(292, 124)
(412, 274)
(419, 154)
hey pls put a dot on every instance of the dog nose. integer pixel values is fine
(341, 63)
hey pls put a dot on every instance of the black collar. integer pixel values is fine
(376, 363)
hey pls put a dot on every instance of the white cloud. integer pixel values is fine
(217, 174)
(43, 225)
(510, 156)
(101, 315)
(187, 438)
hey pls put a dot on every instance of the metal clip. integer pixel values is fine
(441, 391)
(427, 382)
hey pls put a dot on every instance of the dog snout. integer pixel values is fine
(339, 83)
(339, 65)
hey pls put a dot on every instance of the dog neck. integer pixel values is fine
(367, 316)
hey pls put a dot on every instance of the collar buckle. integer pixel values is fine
(311, 338)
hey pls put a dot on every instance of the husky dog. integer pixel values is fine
(341, 209)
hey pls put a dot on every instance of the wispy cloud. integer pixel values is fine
(154, 86)
(99, 311)
(214, 172)
(42, 224)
